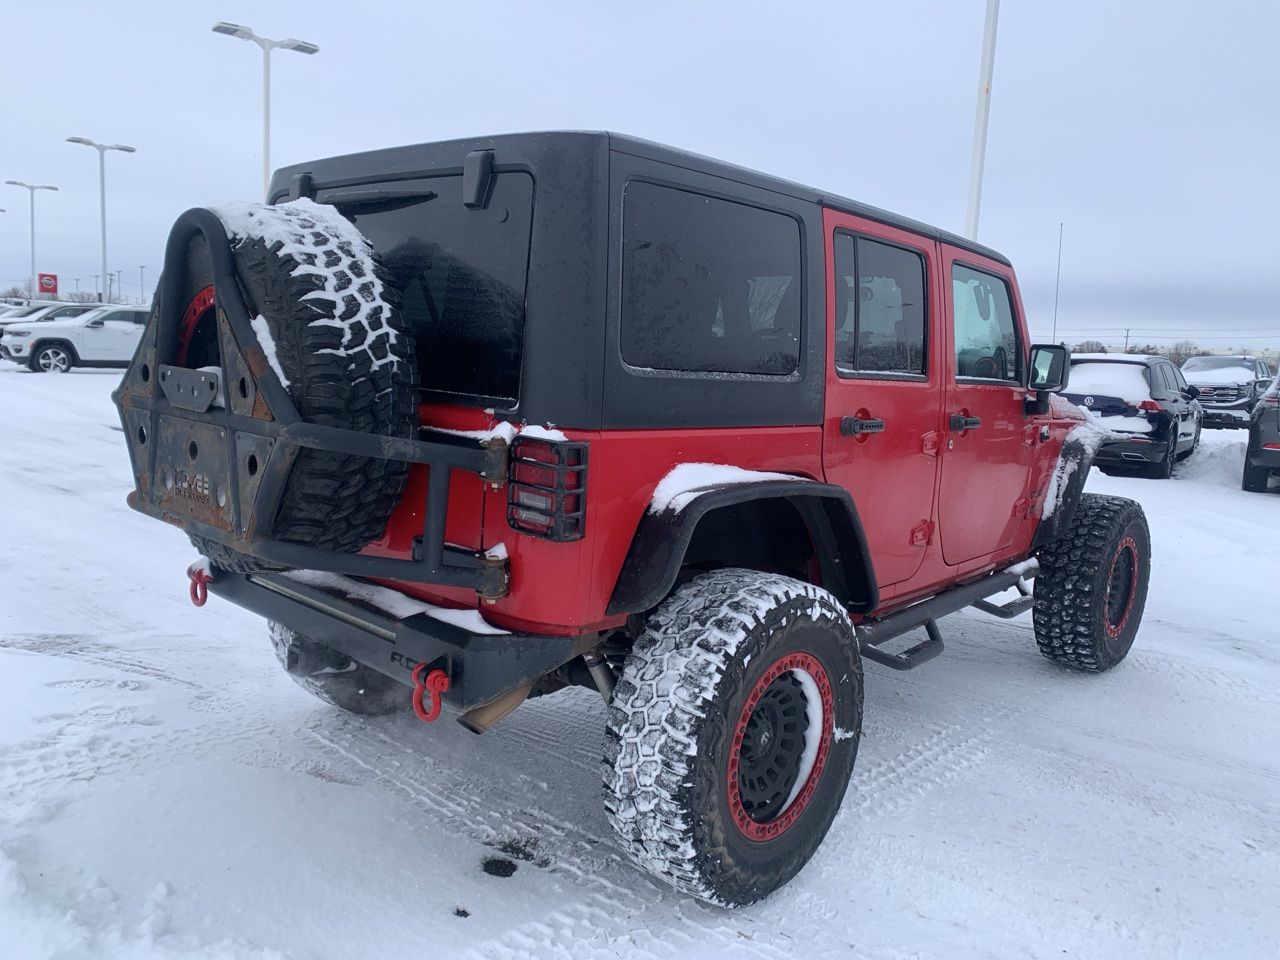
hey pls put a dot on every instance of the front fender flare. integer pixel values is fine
(662, 538)
(1075, 460)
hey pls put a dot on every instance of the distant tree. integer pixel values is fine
(1090, 346)
(1184, 350)
(81, 296)
(1148, 349)
(14, 291)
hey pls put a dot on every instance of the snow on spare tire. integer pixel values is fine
(328, 322)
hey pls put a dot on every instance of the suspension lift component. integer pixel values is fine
(601, 673)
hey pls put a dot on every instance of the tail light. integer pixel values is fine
(547, 492)
(1150, 406)
(1270, 400)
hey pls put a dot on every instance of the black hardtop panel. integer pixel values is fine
(555, 147)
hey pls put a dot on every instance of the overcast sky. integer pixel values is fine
(1151, 129)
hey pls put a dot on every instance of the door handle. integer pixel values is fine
(960, 423)
(857, 426)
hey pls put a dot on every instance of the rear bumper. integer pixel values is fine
(1133, 451)
(1259, 457)
(480, 666)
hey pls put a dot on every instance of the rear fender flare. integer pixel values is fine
(662, 539)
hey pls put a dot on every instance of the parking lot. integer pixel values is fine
(164, 787)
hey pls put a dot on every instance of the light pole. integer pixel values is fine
(980, 121)
(289, 43)
(102, 149)
(142, 284)
(32, 188)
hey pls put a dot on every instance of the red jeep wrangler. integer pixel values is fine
(476, 421)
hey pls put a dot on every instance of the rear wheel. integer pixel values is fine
(1255, 478)
(334, 678)
(1092, 586)
(52, 358)
(1195, 445)
(732, 733)
(1163, 470)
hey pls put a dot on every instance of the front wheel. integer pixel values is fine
(732, 733)
(51, 358)
(1092, 585)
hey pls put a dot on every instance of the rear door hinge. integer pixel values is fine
(921, 533)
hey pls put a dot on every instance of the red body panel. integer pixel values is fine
(938, 506)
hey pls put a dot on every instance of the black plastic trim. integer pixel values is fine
(828, 512)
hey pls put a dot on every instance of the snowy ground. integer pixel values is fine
(166, 791)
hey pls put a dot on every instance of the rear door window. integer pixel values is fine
(880, 308)
(708, 285)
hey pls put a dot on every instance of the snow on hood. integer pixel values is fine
(291, 224)
(1211, 378)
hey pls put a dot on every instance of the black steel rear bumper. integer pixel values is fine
(480, 666)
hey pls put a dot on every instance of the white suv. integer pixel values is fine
(103, 337)
(43, 310)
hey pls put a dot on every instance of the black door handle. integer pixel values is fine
(961, 423)
(856, 427)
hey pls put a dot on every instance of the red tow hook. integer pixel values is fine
(437, 682)
(199, 587)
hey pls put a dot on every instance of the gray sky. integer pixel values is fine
(1149, 128)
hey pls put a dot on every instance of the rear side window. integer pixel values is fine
(880, 308)
(708, 285)
(986, 333)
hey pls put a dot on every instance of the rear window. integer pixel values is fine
(461, 274)
(1127, 381)
(708, 285)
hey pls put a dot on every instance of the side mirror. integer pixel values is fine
(94, 323)
(1265, 385)
(1050, 368)
(1191, 392)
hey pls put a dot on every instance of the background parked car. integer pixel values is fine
(45, 311)
(1262, 458)
(1229, 387)
(1146, 402)
(103, 337)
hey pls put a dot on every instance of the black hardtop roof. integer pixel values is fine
(408, 158)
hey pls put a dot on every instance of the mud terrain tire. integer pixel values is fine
(341, 371)
(724, 766)
(1092, 585)
(335, 679)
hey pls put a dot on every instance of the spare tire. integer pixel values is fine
(334, 337)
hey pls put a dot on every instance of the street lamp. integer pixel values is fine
(102, 149)
(142, 284)
(299, 46)
(978, 160)
(32, 188)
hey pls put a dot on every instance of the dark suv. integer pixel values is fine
(1151, 411)
(1229, 387)
(472, 422)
